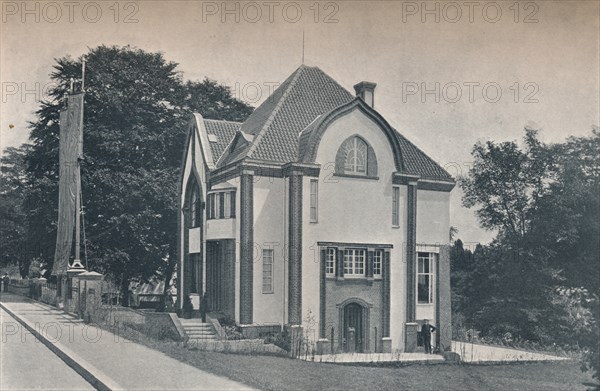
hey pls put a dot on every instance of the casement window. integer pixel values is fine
(425, 277)
(267, 283)
(221, 205)
(314, 200)
(354, 262)
(377, 263)
(356, 156)
(330, 261)
(211, 206)
(395, 206)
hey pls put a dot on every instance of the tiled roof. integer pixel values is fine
(282, 124)
(416, 162)
(276, 123)
(223, 132)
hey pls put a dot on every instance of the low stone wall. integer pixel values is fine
(19, 287)
(244, 346)
(158, 325)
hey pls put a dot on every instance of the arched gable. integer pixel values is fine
(309, 142)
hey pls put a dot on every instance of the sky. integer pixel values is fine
(448, 74)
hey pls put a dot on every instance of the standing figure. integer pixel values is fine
(426, 331)
(203, 306)
(5, 281)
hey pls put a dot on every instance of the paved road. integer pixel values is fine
(26, 364)
(118, 363)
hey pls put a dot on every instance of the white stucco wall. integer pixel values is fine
(433, 225)
(433, 217)
(355, 210)
(269, 233)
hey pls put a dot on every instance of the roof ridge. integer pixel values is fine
(274, 112)
(223, 120)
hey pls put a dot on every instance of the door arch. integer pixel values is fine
(354, 313)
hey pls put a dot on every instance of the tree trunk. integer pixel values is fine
(125, 290)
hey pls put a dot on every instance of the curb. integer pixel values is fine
(86, 370)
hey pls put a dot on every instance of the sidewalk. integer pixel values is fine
(106, 360)
(475, 353)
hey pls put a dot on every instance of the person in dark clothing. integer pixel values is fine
(426, 331)
(5, 281)
(203, 306)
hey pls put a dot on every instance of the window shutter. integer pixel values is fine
(370, 256)
(232, 203)
(340, 263)
(385, 268)
(371, 162)
(323, 253)
(340, 159)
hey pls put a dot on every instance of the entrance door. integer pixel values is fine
(220, 276)
(353, 328)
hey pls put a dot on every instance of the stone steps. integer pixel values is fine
(198, 331)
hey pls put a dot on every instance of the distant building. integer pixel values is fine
(315, 212)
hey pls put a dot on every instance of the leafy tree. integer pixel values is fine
(12, 216)
(540, 277)
(136, 106)
(505, 182)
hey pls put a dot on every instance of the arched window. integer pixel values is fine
(194, 203)
(356, 157)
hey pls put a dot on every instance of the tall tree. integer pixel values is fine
(505, 182)
(136, 104)
(13, 185)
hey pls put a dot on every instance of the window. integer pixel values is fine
(354, 262)
(377, 262)
(314, 183)
(330, 261)
(195, 206)
(226, 205)
(211, 206)
(355, 161)
(425, 277)
(221, 205)
(355, 157)
(267, 285)
(194, 260)
(396, 206)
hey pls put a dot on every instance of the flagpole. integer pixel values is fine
(77, 261)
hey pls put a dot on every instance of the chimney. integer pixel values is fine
(366, 90)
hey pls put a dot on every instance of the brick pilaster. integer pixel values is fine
(295, 249)
(411, 255)
(246, 248)
(443, 300)
(322, 293)
(385, 329)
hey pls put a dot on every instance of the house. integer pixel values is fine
(316, 215)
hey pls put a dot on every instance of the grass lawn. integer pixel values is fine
(278, 373)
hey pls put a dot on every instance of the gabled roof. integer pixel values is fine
(276, 123)
(222, 132)
(279, 129)
(416, 162)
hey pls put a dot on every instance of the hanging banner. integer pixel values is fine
(68, 184)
